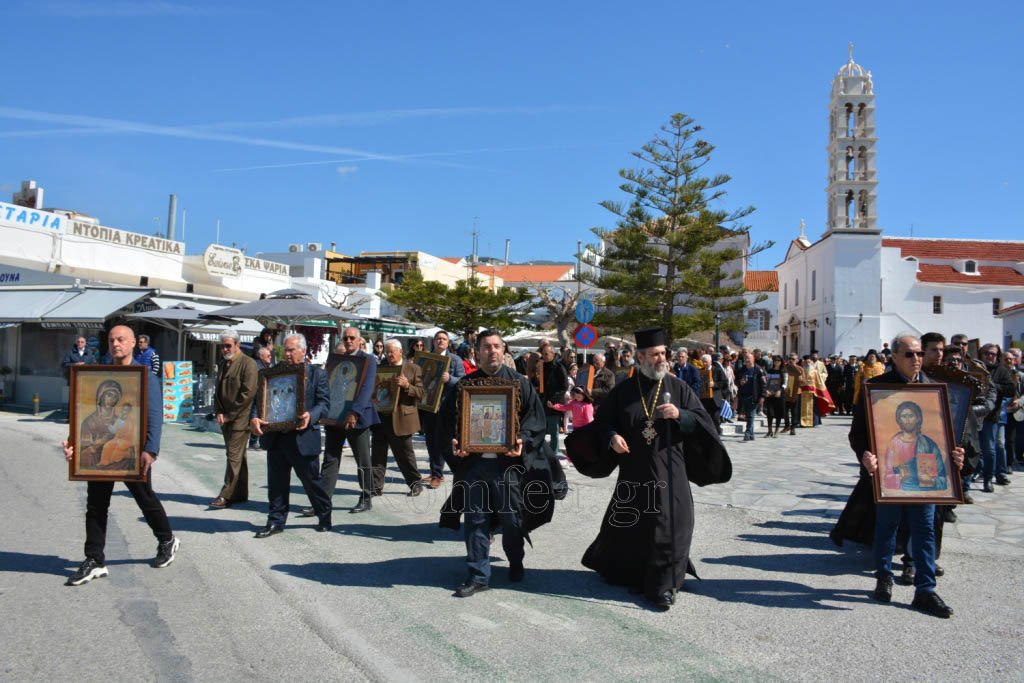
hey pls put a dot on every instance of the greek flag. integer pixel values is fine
(726, 413)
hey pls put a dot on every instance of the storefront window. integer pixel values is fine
(43, 350)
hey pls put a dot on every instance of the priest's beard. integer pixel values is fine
(654, 371)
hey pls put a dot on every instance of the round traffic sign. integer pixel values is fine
(584, 311)
(585, 336)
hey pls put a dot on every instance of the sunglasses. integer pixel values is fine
(991, 353)
(913, 354)
(227, 346)
(348, 336)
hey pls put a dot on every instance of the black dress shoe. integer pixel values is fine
(949, 516)
(931, 603)
(987, 487)
(362, 506)
(967, 499)
(516, 572)
(663, 600)
(377, 493)
(883, 590)
(1002, 480)
(415, 490)
(307, 512)
(939, 571)
(470, 588)
(906, 578)
(324, 525)
(269, 530)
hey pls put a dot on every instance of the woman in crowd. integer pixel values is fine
(774, 402)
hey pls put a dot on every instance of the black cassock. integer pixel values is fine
(634, 546)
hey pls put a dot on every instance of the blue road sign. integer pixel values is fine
(584, 311)
(585, 336)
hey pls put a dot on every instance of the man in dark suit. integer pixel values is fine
(686, 372)
(907, 358)
(396, 430)
(297, 449)
(428, 420)
(604, 379)
(237, 382)
(354, 429)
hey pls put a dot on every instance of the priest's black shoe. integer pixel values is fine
(883, 590)
(269, 530)
(932, 604)
(324, 525)
(470, 588)
(516, 572)
(362, 506)
(664, 600)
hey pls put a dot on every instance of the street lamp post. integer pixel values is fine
(718, 324)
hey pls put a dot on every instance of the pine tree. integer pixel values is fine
(670, 260)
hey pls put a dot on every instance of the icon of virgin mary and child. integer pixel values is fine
(108, 435)
(912, 461)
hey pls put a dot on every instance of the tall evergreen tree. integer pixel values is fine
(671, 258)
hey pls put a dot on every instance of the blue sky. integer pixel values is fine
(398, 125)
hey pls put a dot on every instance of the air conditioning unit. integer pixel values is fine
(294, 247)
(314, 246)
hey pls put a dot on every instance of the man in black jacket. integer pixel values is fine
(751, 382)
(907, 358)
(994, 465)
(551, 382)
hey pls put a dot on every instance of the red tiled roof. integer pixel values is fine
(987, 275)
(545, 273)
(451, 259)
(761, 281)
(1011, 309)
(980, 250)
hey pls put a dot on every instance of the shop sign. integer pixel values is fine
(264, 266)
(19, 216)
(127, 239)
(222, 260)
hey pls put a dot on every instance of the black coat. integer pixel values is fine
(634, 544)
(534, 502)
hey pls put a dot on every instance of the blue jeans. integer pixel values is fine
(488, 487)
(987, 436)
(921, 519)
(748, 406)
(1001, 468)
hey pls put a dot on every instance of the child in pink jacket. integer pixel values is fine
(581, 406)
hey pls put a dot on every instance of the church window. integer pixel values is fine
(937, 305)
(785, 296)
(814, 285)
(849, 120)
(796, 293)
(997, 304)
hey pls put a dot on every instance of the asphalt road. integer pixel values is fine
(372, 599)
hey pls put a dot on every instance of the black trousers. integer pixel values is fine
(281, 460)
(97, 506)
(793, 410)
(714, 411)
(383, 438)
(775, 408)
(359, 441)
(435, 449)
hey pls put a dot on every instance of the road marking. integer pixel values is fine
(549, 621)
(478, 622)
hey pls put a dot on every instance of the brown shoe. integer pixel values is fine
(436, 482)
(220, 503)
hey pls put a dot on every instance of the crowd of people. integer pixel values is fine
(609, 405)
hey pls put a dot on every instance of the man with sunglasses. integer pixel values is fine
(237, 382)
(907, 359)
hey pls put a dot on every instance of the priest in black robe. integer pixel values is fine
(655, 430)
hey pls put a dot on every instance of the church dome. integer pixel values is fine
(851, 68)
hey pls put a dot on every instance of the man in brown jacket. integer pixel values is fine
(396, 430)
(237, 381)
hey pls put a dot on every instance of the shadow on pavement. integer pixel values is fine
(448, 572)
(213, 525)
(417, 533)
(824, 496)
(819, 542)
(833, 483)
(781, 594)
(812, 527)
(821, 564)
(35, 564)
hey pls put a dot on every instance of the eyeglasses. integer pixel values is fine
(227, 346)
(991, 353)
(348, 336)
(913, 354)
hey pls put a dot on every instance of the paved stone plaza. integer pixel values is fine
(372, 600)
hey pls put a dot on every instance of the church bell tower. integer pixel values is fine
(852, 181)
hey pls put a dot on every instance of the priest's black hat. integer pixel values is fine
(649, 337)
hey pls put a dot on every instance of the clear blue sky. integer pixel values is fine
(385, 126)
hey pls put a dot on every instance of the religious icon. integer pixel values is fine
(912, 436)
(345, 376)
(489, 415)
(585, 376)
(434, 365)
(385, 392)
(108, 422)
(282, 396)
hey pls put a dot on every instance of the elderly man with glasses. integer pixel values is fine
(237, 382)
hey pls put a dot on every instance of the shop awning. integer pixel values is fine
(94, 305)
(24, 306)
(367, 325)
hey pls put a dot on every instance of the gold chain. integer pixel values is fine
(647, 411)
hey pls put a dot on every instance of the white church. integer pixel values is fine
(854, 288)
